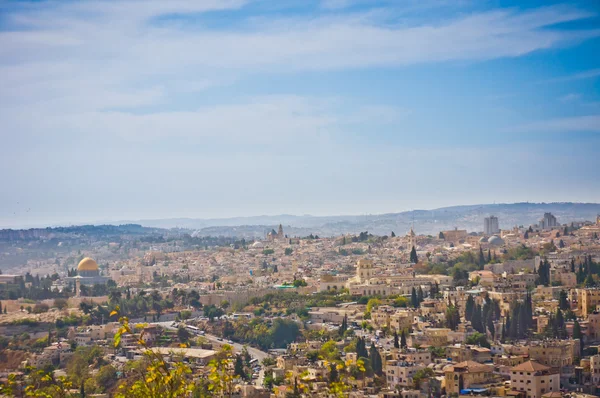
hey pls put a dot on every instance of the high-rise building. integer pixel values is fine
(549, 221)
(490, 225)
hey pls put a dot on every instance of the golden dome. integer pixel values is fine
(87, 264)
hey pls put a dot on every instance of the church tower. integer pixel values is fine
(280, 232)
(364, 270)
(411, 239)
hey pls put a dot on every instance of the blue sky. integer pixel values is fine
(132, 109)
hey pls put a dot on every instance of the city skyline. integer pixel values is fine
(207, 109)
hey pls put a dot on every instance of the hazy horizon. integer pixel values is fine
(129, 110)
(150, 220)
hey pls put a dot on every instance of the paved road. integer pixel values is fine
(254, 352)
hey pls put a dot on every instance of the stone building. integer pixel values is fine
(534, 379)
(466, 374)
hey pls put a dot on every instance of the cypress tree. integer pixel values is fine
(523, 321)
(513, 332)
(343, 326)
(403, 339)
(562, 301)
(489, 259)
(580, 274)
(413, 256)
(491, 328)
(469, 308)
(333, 373)
(396, 341)
(476, 320)
(485, 314)
(239, 367)
(375, 358)
(577, 335)
(560, 324)
(413, 298)
(420, 295)
(361, 348)
(481, 258)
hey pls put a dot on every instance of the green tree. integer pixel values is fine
(562, 301)
(403, 339)
(372, 304)
(375, 359)
(478, 339)
(469, 307)
(238, 368)
(414, 300)
(396, 341)
(333, 373)
(183, 334)
(578, 335)
(481, 258)
(413, 256)
(329, 351)
(452, 317)
(343, 326)
(476, 320)
(543, 272)
(106, 377)
(421, 375)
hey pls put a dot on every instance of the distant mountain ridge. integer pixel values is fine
(469, 217)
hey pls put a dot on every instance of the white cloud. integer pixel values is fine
(570, 97)
(98, 55)
(82, 67)
(589, 123)
(588, 74)
(290, 122)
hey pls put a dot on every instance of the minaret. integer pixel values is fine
(77, 287)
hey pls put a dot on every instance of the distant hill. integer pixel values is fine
(468, 217)
(80, 230)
